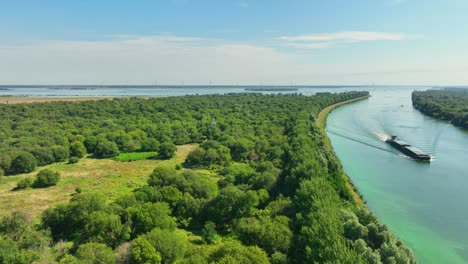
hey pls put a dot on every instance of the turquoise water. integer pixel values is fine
(425, 204)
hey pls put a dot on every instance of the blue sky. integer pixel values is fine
(234, 42)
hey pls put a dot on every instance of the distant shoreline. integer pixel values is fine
(31, 99)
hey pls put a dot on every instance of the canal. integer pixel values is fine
(425, 204)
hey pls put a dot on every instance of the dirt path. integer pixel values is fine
(321, 119)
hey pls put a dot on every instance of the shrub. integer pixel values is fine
(209, 234)
(279, 258)
(95, 253)
(46, 178)
(106, 149)
(60, 153)
(77, 149)
(24, 162)
(196, 157)
(90, 143)
(151, 215)
(123, 253)
(24, 183)
(167, 150)
(5, 162)
(150, 144)
(68, 259)
(73, 160)
(172, 246)
(144, 252)
(43, 156)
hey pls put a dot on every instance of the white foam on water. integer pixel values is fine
(381, 136)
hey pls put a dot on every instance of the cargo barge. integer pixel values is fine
(407, 149)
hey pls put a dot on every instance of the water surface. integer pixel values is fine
(152, 90)
(425, 204)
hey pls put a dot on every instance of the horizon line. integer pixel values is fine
(225, 85)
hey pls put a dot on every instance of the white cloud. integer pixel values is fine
(170, 59)
(348, 36)
(330, 39)
(146, 59)
(317, 45)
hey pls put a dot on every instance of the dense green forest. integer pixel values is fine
(279, 193)
(448, 104)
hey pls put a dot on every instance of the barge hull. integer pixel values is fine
(407, 149)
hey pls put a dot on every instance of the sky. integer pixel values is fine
(221, 42)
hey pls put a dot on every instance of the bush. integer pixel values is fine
(106, 149)
(5, 162)
(196, 157)
(24, 183)
(167, 150)
(60, 153)
(123, 253)
(2, 172)
(144, 252)
(90, 143)
(46, 178)
(43, 156)
(77, 149)
(209, 234)
(172, 246)
(73, 160)
(95, 253)
(150, 144)
(24, 162)
(235, 252)
(148, 216)
(279, 258)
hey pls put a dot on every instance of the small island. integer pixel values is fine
(270, 89)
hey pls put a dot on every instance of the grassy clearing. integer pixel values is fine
(134, 156)
(110, 177)
(321, 121)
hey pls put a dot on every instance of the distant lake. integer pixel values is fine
(425, 204)
(146, 90)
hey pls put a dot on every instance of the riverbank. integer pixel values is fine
(29, 100)
(321, 119)
(321, 122)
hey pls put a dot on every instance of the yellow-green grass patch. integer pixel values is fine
(133, 156)
(107, 176)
